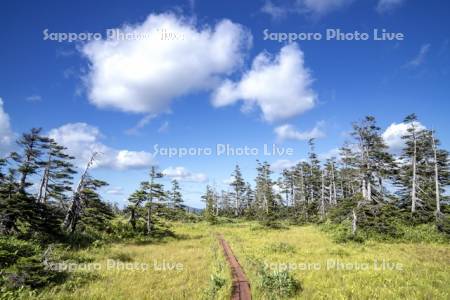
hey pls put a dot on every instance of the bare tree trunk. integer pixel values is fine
(149, 219)
(322, 196)
(43, 187)
(302, 185)
(333, 185)
(363, 188)
(73, 214)
(354, 222)
(236, 203)
(132, 219)
(42, 197)
(414, 179)
(216, 202)
(436, 176)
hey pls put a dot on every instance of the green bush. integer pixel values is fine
(443, 224)
(342, 232)
(215, 284)
(424, 233)
(12, 249)
(31, 272)
(278, 284)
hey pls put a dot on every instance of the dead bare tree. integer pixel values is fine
(436, 175)
(75, 209)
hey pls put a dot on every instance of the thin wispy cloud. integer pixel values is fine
(34, 98)
(420, 58)
(386, 6)
(273, 10)
(164, 127)
(141, 124)
(310, 8)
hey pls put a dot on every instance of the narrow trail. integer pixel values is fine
(241, 286)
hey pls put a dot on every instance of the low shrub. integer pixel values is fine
(278, 284)
(12, 249)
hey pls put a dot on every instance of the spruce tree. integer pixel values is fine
(375, 165)
(30, 160)
(264, 193)
(249, 200)
(136, 200)
(175, 195)
(58, 174)
(238, 186)
(153, 191)
(208, 198)
(96, 213)
(287, 185)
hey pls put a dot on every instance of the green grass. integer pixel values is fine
(425, 267)
(425, 270)
(196, 250)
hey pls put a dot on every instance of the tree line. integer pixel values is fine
(37, 195)
(366, 185)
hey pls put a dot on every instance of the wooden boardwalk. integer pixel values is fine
(241, 286)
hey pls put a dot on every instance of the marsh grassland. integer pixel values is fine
(294, 262)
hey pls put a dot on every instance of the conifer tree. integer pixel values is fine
(238, 185)
(264, 192)
(30, 160)
(136, 200)
(375, 163)
(249, 199)
(2, 174)
(58, 174)
(314, 174)
(96, 213)
(176, 196)
(153, 191)
(208, 198)
(287, 185)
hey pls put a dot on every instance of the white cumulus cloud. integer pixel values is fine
(143, 75)
(280, 86)
(288, 132)
(82, 140)
(183, 174)
(6, 133)
(393, 135)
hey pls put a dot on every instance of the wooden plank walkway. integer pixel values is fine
(241, 286)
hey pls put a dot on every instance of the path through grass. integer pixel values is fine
(308, 252)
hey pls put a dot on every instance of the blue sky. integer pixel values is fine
(218, 82)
